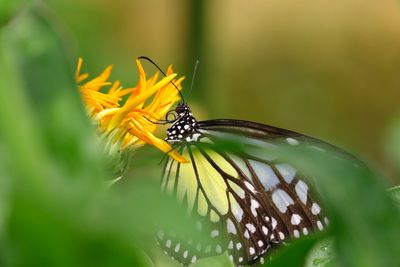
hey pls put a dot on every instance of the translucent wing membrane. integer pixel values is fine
(250, 199)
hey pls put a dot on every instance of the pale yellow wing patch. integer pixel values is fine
(213, 185)
(212, 182)
(202, 206)
(187, 183)
(222, 163)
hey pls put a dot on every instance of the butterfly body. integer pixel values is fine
(251, 199)
(184, 128)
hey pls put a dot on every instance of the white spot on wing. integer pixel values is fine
(296, 233)
(246, 234)
(251, 227)
(252, 250)
(295, 220)
(320, 226)
(315, 209)
(281, 200)
(288, 172)
(214, 233)
(254, 205)
(292, 141)
(265, 174)
(274, 223)
(237, 211)
(230, 226)
(301, 190)
(305, 231)
(265, 230)
(281, 235)
(193, 138)
(249, 186)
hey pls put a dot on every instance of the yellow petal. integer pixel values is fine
(148, 137)
(133, 102)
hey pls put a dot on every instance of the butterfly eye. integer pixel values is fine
(171, 116)
(179, 109)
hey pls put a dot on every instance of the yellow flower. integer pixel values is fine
(128, 125)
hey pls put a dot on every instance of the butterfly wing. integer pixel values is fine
(253, 200)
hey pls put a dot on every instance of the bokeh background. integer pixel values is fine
(329, 69)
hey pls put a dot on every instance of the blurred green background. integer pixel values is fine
(328, 69)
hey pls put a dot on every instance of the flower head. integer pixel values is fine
(128, 124)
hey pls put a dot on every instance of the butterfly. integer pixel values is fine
(244, 195)
(252, 199)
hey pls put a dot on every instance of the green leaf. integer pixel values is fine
(52, 169)
(294, 254)
(9, 8)
(321, 254)
(395, 194)
(221, 260)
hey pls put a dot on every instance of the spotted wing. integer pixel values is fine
(252, 200)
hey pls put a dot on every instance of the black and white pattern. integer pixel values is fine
(250, 199)
(185, 128)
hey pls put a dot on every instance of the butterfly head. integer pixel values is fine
(184, 126)
(182, 109)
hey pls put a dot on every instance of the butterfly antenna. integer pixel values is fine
(155, 65)
(194, 75)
